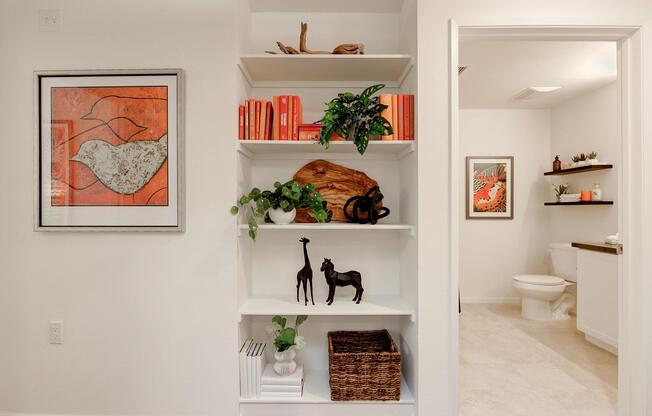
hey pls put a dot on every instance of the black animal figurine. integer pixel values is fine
(333, 278)
(366, 204)
(305, 274)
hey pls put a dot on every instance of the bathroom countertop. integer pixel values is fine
(601, 247)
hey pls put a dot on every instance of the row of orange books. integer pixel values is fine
(400, 114)
(278, 119)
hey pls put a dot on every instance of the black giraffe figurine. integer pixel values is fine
(334, 279)
(305, 274)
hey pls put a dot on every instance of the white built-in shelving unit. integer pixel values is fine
(385, 253)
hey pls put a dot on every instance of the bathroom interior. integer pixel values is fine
(539, 286)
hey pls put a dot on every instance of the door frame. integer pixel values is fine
(632, 330)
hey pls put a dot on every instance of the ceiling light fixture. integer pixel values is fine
(533, 92)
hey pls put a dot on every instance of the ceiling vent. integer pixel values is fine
(531, 93)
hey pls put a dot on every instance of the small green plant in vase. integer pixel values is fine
(560, 190)
(279, 206)
(592, 157)
(355, 117)
(286, 341)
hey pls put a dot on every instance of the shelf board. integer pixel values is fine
(272, 149)
(331, 6)
(579, 169)
(265, 70)
(331, 226)
(369, 306)
(579, 203)
(316, 390)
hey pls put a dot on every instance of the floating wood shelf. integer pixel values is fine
(581, 203)
(264, 70)
(579, 169)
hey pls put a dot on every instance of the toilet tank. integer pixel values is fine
(564, 261)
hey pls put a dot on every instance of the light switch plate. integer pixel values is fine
(55, 332)
(49, 20)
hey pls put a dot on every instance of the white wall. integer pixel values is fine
(148, 317)
(580, 125)
(492, 251)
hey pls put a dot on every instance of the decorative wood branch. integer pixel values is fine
(343, 49)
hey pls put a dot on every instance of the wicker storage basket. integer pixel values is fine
(363, 365)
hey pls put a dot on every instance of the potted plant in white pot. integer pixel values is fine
(279, 206)
(592, 158)
(286, 342)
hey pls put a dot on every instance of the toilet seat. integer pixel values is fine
(539, 279)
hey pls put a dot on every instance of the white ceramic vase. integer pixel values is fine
(285, 364)
(593, 161)
(281, 217)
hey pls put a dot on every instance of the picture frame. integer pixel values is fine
(109, 150)
(490, 187)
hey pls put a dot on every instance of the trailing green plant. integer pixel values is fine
(287, 196)
(286, 337)
(355, 117)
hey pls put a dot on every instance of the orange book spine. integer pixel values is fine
(283, 125)
(268, 121)
(263, 119)
(246, 121)
(252, 119)
(401, 118)
(386, 99)
(290, 112)
(406, 117)
(295, 117)
(275, 119)
(395, 117)
(241, 122)
(257, 119)
(412, 133)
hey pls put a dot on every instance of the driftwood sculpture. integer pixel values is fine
(334, 279)
(343, 49)
(336, 185)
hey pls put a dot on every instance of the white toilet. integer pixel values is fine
(544, 297)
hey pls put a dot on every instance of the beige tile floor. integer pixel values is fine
(510, 366)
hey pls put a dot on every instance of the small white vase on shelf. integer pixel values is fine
(281, 217)
(593, 161)
(285, 364)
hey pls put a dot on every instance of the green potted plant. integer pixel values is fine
(592, 158)
(560, 190)
(355, 117)
(286, 341)
(279, 206)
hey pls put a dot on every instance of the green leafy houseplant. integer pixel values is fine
(287, 196)
(355, 117)
(560, 190)
(286, 337)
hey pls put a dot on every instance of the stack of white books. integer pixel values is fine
(274, 386)
(252, 363)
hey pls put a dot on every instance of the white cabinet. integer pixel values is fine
(597, 298)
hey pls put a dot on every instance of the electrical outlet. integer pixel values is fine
(49, 20)
(55, 332)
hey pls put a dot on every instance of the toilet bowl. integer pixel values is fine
(544, 297)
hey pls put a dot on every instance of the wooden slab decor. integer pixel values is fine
(335, 183)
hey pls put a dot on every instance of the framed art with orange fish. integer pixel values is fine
(109, 150)
(490, 187)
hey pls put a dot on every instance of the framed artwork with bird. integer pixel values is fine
(109, 148)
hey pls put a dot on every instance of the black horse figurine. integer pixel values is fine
(334, 279)
(305, 274)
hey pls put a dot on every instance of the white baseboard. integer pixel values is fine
(506, 300)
